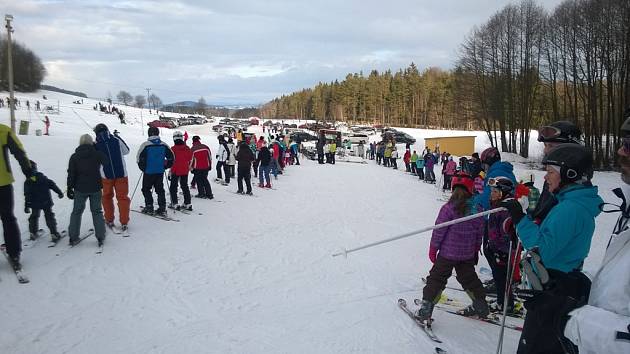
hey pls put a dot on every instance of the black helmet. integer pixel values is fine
(100, 127)
(504, 184)
(560, 132)
(575, 162)
(153, 131)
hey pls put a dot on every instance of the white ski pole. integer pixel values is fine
(507, 291)
(429, 228)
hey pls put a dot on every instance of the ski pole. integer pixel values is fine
(136, 188)
(429, 228)
(508, 291)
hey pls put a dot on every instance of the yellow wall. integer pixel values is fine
(454, 145)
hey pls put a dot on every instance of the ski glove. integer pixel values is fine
(70, 194)
(27, 210)
(432, 254)
(60, 195)
(514, 208)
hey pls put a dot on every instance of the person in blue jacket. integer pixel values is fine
(154, 157)
(562, 242)
(494, 167)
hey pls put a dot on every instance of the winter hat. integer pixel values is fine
(86, 139)
(196, 138)
(153, 131)
(177, 135)
(33, 165)
(475, 155)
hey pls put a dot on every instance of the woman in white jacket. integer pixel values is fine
(231, 156)
(603, 325)
(222, 161)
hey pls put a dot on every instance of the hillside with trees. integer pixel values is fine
(28, 70)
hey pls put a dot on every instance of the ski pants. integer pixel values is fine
(33, 220)
(332, 157)
(80, 199)
(232, 169)
(255, 166)
(246, 174)
(447, 182)
(200, 178)
(320, 157)
(420, 171)
(273, 167)
(263, 174)
(442, 270)
(499, 274)
(10, 227)
(296, 156)
(394, 163)
(183, 182)
(120, 186)
(150, 182)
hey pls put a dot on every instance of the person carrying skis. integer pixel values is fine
(244, 156)
(179, 172)
(85, 182)
(223, 155)
(557, 247)
(601, 325)
(37, 198)
(9, 142)
(455, 247)
(264, 160)
(154, 157)
(114, 174)
(201, 164)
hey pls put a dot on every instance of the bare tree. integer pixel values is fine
(124, 97)
(140, 101)
(154, 101)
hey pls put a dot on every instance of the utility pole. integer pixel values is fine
(148, 102)
(9, 18)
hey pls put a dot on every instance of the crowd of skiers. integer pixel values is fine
(541, 239)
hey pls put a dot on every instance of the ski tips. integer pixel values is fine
(343, 252)
(402, 302)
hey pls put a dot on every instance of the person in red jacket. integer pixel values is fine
(201, 164)
(179, 172)
(407, 160)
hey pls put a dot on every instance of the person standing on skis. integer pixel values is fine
(244, 156)
(37, 198)
(154, 157)
(201, 164)
(179, 172)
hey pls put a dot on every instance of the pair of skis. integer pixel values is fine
(161, 217)
(118, 231)
(19, 273)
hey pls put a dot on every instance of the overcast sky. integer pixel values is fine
(237, 51)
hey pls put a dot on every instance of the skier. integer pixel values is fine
(201, 164)
(153, 158)
(231, 157)
(429, 163)
(10, 142)
(494, 167)
(449, 170)
(46, 125)
(274, 149)
(456, 247)
(115, 179)
(407, 160)
(475, 165)
(320, 151)
(179, 172)
(295, 151)
(601, 326)
(264, 159)
(244, 156)
(387, 155)
(333, 150)
(222, 161)
(85, 182)
(560, 246)
(360, 150)
(394, 157)
(413, 162)
(420, 168)
(37, 198)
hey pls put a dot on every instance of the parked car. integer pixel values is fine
(400, 137)
(302, 136)
(357, 138)
(217, 127)
(162, 124)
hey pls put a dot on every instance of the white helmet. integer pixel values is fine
(177, 135)
(527, 177)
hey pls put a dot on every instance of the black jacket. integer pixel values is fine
(37, 194)
(84, 169)
(264, 156)
(244, 156)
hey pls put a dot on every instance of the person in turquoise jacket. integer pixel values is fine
(491, 160)
(562, 241)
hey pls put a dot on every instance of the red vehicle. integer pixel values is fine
(253, 121)
(162, 124)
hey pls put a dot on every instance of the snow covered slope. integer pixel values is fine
(249, 275)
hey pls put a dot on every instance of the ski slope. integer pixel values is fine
(249, 275)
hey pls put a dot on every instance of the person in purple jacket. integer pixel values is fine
(456, 246)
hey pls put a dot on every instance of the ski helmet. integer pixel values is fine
(504, 184)
(177, 135)
(99, 128)
(575, 162)
(490, 156)
(463, 179)
(560, 132)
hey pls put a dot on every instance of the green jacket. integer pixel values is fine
(414, 157)
(10, 143)
(333, 147)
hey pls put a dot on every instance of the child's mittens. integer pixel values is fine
(432, 254)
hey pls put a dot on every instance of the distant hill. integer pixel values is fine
(193, 104)
(60, 90)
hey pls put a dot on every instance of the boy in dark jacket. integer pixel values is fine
(201, 164)
(244, 156)
(154, 157)
(37, 198)
(264, 157)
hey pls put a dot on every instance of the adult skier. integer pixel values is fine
(264, 159)
(179, 171)
(85, 182)
(222, 161)
(244, 156)
(231, 157)
(9, 142)
(201, 164)
(115, 179)
(557, 246)
(154, 157)
(37, 198)
(602, 325)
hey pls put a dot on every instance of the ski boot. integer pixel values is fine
(33, 236)
(187, 207)
(160, 212)
(124, 228)
(240, 192)
(268, 185)
(100, 243)
(426, 310)
(55, 236)
(15, 263)
(249, 193)
(490, 287)
(148, 210)
(173, 206)
(479, 308)
(261, 185)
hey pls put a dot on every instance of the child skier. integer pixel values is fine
(413, 160)
(394, 157)
(420, 167)
(37, 198)
(179, 172)
(456, 247)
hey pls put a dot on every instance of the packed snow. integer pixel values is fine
(241, 274)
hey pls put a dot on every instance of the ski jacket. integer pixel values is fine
(429, 162)
(564, 237)
(10, 143)
(458, 242)
(499, 168)
(84, 169)
(413, 158)
(407, 157)
(245, 157)
(201, 156)
(37, 193)
(450, 168)
(231, 154)
(333, 147)
(275, 150)
(474, 167)
(361, 150)
(114, 149)
(260, 143)
(183, 156)
(154, 156)
(294, 148)
(388, 152)
(599, 326)
(420, 163)
(264, 156)
(223, 153)
(500, 231)
(394, 154)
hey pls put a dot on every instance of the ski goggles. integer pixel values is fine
(548, 133)
(496, 181)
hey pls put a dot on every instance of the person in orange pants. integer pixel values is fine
(115, 180)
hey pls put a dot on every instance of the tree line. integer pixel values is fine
(522, 68)
(28, 70)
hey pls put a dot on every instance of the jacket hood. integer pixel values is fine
(585, 196)
(103, 136)
(501, 168)
(154, 139)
